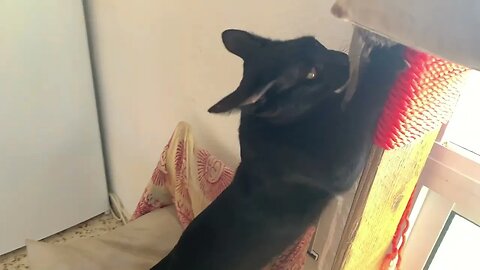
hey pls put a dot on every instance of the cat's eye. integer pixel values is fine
(311, 74)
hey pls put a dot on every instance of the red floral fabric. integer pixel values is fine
(191, 178)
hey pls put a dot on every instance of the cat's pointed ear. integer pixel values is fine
(242, 43)
(240, 97)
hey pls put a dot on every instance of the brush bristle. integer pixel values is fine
(422, 98)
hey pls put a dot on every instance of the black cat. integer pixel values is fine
(299, 149)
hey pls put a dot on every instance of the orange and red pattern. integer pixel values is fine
(191, 178)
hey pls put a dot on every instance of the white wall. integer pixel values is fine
(159, 62)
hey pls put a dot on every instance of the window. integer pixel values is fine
(446, 216)
(455, 248)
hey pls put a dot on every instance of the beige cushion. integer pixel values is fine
(138, 245)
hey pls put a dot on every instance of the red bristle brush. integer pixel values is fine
(422, 98)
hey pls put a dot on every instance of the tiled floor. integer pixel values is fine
(93, 227)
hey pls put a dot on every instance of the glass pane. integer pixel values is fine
(457, 246)
(463, 129)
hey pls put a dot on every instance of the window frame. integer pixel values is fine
(449, 182)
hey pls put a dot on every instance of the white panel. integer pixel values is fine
(446, 28)
(51, 164)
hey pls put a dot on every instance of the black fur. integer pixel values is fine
(298, 149)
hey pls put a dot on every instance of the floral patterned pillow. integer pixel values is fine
(191, 178)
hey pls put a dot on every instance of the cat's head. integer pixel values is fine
(282, 79)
